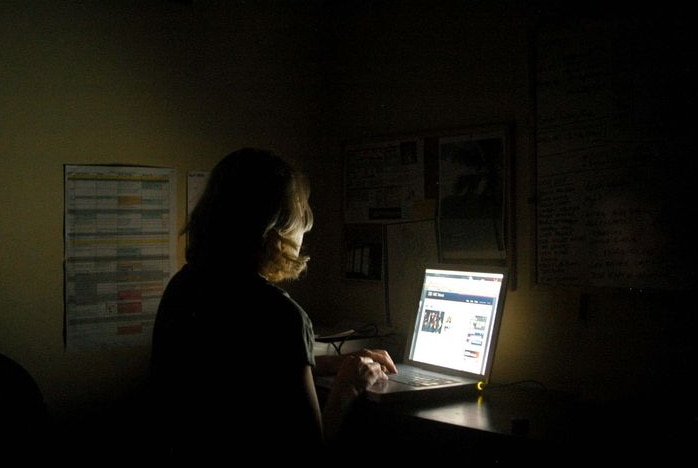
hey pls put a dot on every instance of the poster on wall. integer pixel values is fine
(383, 181)
(120, 238)
(473, 195)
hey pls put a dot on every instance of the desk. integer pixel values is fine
(510, 425)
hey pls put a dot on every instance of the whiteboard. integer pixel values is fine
(613, 154)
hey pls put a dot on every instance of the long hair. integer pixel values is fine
(254, 206)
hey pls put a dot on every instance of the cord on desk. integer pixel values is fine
(338, 347)
(367, 331)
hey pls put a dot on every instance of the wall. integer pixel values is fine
(179, 84)
(444, 65)
(155, 83)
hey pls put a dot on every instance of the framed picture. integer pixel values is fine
(474, 195)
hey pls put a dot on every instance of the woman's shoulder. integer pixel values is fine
(274, 293)
(275, 299)
(225, 290)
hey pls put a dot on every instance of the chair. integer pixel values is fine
(24, 416)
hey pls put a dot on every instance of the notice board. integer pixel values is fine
(615, 153)
(459, 178)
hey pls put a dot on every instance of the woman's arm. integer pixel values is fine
(354, 375)
(313, 403)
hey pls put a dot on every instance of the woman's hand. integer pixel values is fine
(357, 373)
(381, 356)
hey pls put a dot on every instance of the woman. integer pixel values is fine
(232, 356)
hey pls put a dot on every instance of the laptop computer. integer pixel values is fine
(450, 351)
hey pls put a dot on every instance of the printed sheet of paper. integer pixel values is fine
(120, 252)
(196, 183)
(384, 181)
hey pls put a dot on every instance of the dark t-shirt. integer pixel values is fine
(227, 360)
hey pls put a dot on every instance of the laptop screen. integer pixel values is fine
(458, 318)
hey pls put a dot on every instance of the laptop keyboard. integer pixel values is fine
(416, 379)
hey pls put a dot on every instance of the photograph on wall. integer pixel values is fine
(472, 206)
